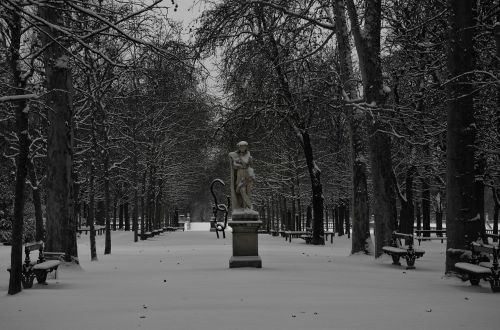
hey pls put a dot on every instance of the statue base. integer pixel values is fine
(245, 227)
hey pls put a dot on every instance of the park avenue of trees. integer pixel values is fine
(365, 110)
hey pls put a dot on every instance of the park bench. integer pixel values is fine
(98, 229)
(308, 236)
(175, 228)
(397, 250)
(479, 268)
(46, 263)
(289, 234)
(440, 235)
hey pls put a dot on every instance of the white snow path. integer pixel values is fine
(181, 281)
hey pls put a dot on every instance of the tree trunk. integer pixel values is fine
(120, 215)
(318, 234)
(135, 220)
(326, 218)
(100, 214)
(61, 235)
(22, 110)
(115, 206)
(143, 209)
(426, 207)
(107, 198)
(361, 239)
(460, 203)
(439, 213)
(479, 168)
(107, 240)
(341, 215)
(299, 203)
(308, 217)
(286, 212)
(293, 224)
(407, 213)
(273, 224)
(496, 200)
(419, 217)
(368, 49)
(126, 215)
(348, 223)
(268, 216)
(92, 207)
(335, 213)
(158, 203)
(37, 203)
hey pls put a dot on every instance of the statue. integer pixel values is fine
(242, 177)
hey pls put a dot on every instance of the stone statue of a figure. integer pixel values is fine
(242, 177)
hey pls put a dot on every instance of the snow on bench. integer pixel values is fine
(473, 269)
(47, 265)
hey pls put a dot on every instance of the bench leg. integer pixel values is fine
(495, 284)
(474, 280)
(410, 261)
(395, 260)
(27, 279)
(41, 276)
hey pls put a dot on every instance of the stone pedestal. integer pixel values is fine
(245, 227)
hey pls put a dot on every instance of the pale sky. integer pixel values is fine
(187, 12)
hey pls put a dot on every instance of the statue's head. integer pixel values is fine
(242, 146)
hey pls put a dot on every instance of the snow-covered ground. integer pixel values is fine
(181, 281)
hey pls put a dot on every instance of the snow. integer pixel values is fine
(472, 268)
(182, 281)
(244, 213)
(47, 264)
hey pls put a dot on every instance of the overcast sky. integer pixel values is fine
(187, 12)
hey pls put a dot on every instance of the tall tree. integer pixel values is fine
(21, 107)
(61, 227)
(375, 96)
(361, 239)
(462, 225)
